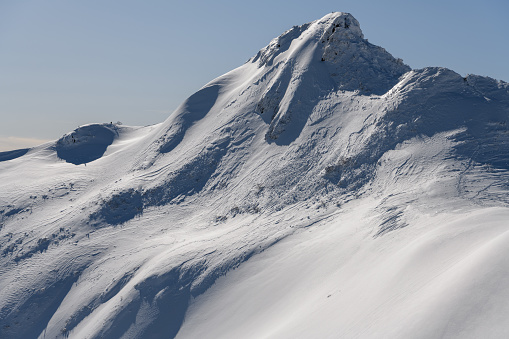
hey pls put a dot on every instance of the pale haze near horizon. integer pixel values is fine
(64, 64)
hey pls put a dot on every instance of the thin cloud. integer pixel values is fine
(12, 143)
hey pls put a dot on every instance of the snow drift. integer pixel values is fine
(322, 189)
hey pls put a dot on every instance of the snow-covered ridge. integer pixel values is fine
(311, 168)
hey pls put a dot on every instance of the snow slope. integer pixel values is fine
(322, 189)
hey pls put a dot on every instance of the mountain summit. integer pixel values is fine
(322, 189)
(311, 60)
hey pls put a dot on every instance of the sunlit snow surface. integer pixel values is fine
(321, 190)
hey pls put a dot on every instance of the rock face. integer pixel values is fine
(324, 169)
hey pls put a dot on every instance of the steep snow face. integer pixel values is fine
(323, 152)
(86, 143)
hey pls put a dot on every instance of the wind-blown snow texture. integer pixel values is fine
(323, 189)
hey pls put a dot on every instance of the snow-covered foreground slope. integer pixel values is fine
(322, 189)
(445, 276)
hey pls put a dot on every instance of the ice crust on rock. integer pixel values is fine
(355, 63)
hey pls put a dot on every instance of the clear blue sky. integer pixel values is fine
(66, 63)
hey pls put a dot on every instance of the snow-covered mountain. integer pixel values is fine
(321, 190)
